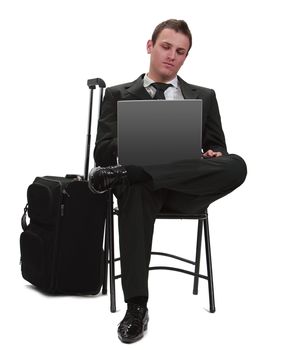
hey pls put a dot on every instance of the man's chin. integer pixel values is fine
(167, 75)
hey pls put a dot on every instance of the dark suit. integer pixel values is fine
(185, 186)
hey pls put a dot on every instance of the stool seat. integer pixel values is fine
(174, 215)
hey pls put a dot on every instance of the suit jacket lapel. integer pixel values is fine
(188, 91)
(137, 89)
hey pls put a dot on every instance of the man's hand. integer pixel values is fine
(211, 154)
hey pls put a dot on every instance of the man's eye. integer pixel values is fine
(166, 47)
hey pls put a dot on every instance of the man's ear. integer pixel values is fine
(149, 46)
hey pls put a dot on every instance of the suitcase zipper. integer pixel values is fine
(62, 205)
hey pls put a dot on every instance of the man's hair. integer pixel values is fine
(178, 25)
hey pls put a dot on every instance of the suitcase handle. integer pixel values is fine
(92, 83)
(24, 218)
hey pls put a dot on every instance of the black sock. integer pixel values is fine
(137, 174)
(142, 300)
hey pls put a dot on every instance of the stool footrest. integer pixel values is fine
(174, 257)
(173, 269)
(178, 270)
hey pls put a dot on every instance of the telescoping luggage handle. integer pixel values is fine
(92, 83)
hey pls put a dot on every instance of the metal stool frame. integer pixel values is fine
(110, 260)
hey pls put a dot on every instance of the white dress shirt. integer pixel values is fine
(172, 92)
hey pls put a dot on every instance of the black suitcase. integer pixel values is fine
(62, 246)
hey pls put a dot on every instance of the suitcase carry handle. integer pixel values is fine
(24, 218)
(92, 83)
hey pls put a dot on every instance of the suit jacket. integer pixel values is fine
(105, 152)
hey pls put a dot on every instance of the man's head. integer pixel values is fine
(169, 46)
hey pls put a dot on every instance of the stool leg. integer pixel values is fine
(106, 253)
(197, 257)
(111, 252)
(209, 266)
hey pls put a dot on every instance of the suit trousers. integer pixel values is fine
(187, 186)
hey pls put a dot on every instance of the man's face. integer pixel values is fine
(167, 55)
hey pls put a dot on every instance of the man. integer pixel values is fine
(184, 186)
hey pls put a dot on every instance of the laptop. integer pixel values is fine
(152, 132)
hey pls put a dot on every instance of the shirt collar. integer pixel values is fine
(148, 81)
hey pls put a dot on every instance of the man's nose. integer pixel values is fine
(172, 54)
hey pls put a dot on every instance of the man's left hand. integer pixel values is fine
(211, 154)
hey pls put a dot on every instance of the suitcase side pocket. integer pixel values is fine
(38, 241)
(32, 257)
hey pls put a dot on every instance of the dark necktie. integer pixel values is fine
(160, 90)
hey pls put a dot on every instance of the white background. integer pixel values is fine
(48, 51)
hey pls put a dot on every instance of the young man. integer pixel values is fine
(185, 186)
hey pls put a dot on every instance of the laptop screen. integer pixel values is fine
(154, 132)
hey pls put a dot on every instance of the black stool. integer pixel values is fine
(109, 253)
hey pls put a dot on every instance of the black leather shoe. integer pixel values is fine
(135, 322)
(103, 179)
